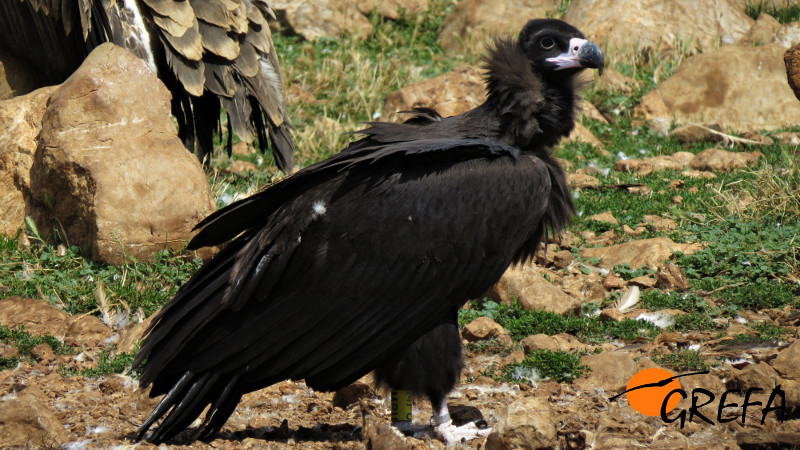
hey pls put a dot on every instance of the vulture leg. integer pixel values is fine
(431, 367)
(444, 429)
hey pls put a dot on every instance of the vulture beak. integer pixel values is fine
(581, 54)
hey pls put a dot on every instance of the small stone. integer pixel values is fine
(515, 357)
(693, 134)
(676, 184)
(286, 388)
(581, 181)
(788, 137)
(8, 351)
(660, 223)
(43, 352)
(36, 316)
(788, 361)
(241, 148)
(760, 375)
(352, 394)
(670, 277)
(85, 330)
(606, 217)
(484, 328)
(323, 18)
(539, 341)
(111, 385)
(529, 423)
(645, 281)
(612, 314)
(613, 281)
(698, 174)
(240, 166)
(714, 159)
(563, 258)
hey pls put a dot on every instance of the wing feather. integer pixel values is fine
(264, 278)
(179, 11)
(217, 40)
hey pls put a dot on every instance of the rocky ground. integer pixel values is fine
(43, 406)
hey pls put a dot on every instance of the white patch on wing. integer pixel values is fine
(138, 32)
(273, 79)
(318, 208)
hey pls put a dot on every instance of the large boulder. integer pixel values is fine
(393, 9)
(737, 87)
(791, 60)
(658, 25)
(525, 284)
(322, 18)
(473, 22)
(644, 252)
(452, 93)
(21, 122)
(335, 18)
(109, 171)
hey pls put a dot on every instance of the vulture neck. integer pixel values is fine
(533, 111)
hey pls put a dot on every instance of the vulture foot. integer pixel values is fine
(452, 434)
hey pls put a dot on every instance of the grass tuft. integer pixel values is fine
(543, 364)
(25, 343)
(682, 361)
(787, 14)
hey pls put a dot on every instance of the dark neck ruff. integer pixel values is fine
(534, 112)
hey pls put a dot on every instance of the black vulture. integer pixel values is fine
(361, 262)
(209, 53)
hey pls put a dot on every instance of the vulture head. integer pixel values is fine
(557, 47)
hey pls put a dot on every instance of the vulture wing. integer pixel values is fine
(339, 267)
(211, 54)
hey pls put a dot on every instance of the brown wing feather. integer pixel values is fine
(217, 41)
(179, 11)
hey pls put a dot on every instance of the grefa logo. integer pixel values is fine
(656, 392)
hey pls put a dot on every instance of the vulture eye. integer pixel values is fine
(547, 43)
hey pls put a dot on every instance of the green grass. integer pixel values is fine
(490, 346)
(755, 8)
(521, 323)
(106, 365)
(25, 343)
(746, 263)
(767, 332)
(66, 279)
(682, 361)
(546, 364)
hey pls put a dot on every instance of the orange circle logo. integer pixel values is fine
(648, 389)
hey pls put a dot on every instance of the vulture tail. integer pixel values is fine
(186, 401)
